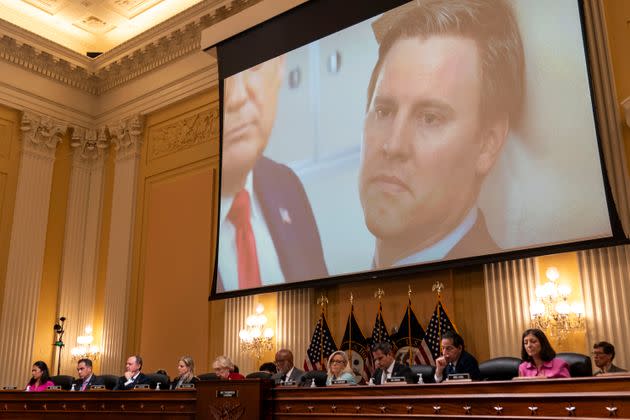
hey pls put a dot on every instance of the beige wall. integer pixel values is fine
(170, 312)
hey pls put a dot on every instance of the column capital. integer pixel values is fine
(41, 134)
(89, 144)
(126, 137)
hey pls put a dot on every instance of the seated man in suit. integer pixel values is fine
(132, 376)
(455, 359)
(286, 370)
(86, 376)
(267, 230)
(603, 355)
(388, 367)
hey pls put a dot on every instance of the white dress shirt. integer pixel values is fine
(387, 373)
(268, 262)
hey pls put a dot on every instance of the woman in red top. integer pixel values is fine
(41, 378)
(224, 368)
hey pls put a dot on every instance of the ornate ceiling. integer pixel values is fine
(90, 25)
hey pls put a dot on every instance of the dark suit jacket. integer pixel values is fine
(140, 379)
(296, 376)
(399, 370)
(173, 384)
(478, 241)
(466, 364)
(296, 238)
(613, 369)
(94, 380)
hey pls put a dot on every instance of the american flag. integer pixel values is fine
(321, 347)
(438, 325)
(379, 335)
(355, 345)
(411, 338)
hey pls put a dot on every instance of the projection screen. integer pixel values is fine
(437, 132)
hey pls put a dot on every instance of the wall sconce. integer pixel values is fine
(552, 312)
(255, 338)
(85, 348)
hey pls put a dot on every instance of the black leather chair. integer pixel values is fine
(208, 377)
(258, 375)
(110, 381)
(155, 378)
(318, 375)
(500, 368)
(64, 381)
(579, 364)
(427, 372)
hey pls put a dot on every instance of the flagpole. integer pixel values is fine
(323, 300)
(409, 325)
(350, 328)
(379, 315)
(439, 286)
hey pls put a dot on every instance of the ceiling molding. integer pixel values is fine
(161, 45)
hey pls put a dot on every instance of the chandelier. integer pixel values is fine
(552, 312)
(85, 348)
(255, 338)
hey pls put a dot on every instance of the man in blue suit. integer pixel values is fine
(267, 233)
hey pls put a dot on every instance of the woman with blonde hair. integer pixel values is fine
(224, 368)
(339, 369)
(185, 372)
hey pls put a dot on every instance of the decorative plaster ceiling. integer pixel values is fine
(90, 25)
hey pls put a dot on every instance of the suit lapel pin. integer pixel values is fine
(284, 215)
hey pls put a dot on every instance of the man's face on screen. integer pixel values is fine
(250, 101)
(421, 162)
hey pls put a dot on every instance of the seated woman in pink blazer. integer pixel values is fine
(539, 358)
(41, 378)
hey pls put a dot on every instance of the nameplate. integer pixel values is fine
(9, 388)
(187, 386)
(224, 393)
(54, 388)
(459, 377)
(97, 387)
(288, 383)
(339, 382)
(396, 380)
(141, 386)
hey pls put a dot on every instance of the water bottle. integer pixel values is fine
(313, 383)
(28, 388)
(420, 378)
(371, 383)
(157, 386)
(73, 388)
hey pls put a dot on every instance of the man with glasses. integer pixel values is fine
(455, 359)
(287, 372)
(603, 355)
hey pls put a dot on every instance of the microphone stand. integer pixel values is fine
(58, 327)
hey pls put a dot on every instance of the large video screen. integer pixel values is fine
(432, 132)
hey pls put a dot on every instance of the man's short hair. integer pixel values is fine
(288, 352)
(457, 339)
(606, 347)
(491, 24)
(384, 347)
(87, 362)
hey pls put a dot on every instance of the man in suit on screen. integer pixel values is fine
(445, 90)
(267, 233)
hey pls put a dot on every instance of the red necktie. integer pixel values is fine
(239, 215)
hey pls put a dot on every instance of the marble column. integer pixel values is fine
(127, 141)
(40, 136)
(79, 268)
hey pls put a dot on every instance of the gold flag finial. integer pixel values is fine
(438, 286)
(379, 294)
(322, 301)
(409, 291)
(351, 299)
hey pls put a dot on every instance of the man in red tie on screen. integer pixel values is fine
(267, 232)
(443, 95)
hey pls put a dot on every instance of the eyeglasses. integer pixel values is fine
(448, 348)
(340, 362)
(599, 353)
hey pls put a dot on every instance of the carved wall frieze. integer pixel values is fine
(184, 133)
(126, 137)
(99, 76)
(41, 134)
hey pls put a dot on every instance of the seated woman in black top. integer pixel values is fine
(186, 373)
